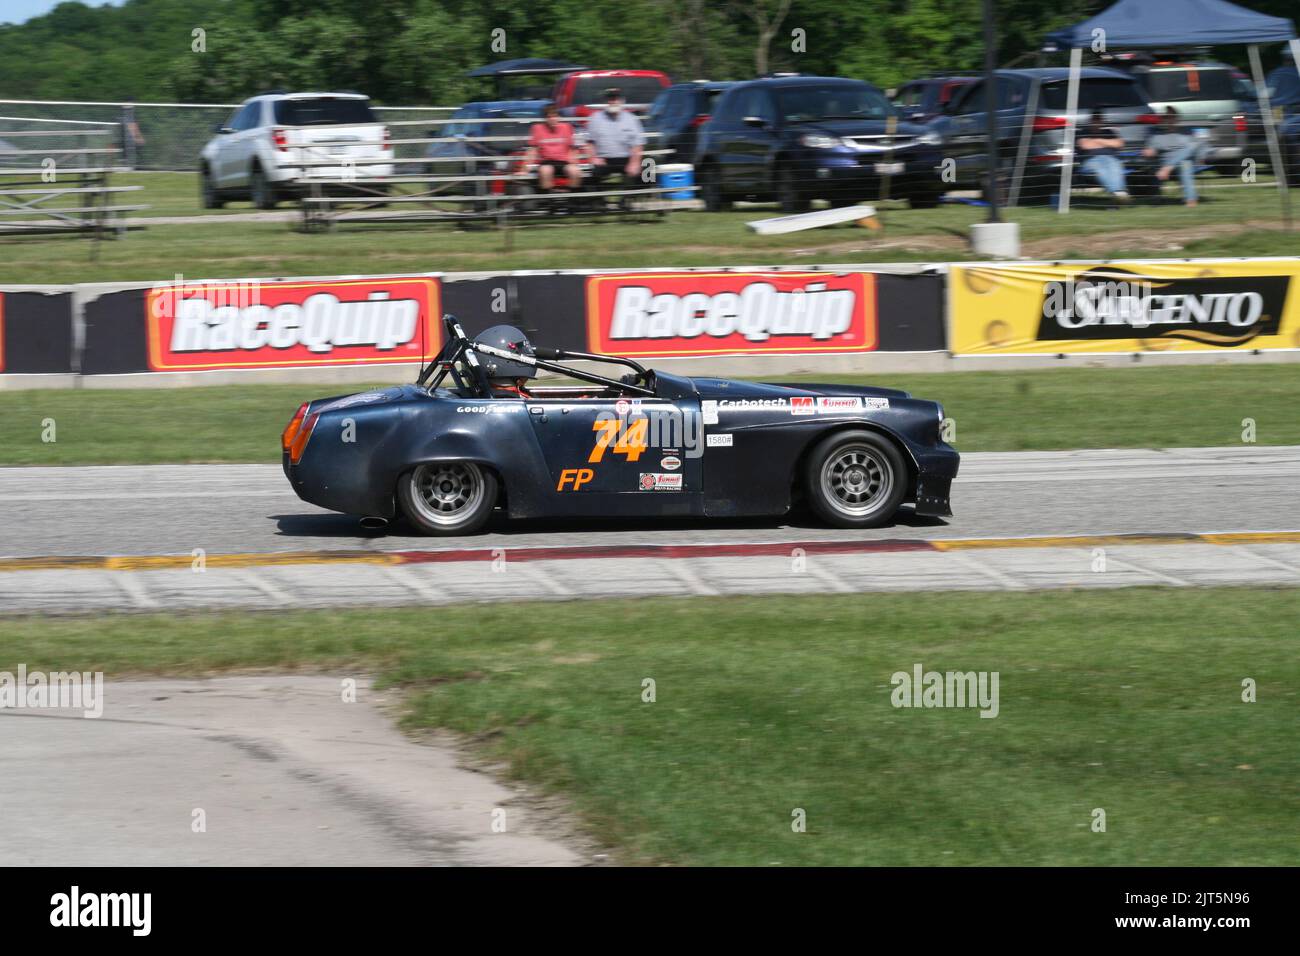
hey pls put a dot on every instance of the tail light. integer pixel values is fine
(301, 438)
(388, 138)
(290, 430)
(700, 120)
(1044, 123)
(1149, 119)
(279, 139)
(1239, 123)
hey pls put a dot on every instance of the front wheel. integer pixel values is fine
(711, 190)
(447, 497)
(208, 192)
(788, 195)
(855, 479)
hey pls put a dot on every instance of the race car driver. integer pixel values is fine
(506, 379)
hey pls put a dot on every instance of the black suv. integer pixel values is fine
(796, 139)
(1031, 120)
(678, 113)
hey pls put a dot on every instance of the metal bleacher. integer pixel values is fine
(55, 177)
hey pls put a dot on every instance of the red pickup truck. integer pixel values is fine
(582, 92)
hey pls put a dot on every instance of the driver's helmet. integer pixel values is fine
(507, 338)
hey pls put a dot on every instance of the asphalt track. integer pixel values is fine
(81, 539)
(174, 509)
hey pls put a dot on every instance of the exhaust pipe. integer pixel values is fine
(374, 523)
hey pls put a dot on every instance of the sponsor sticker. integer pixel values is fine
(718, 441)
(670, 463)
(709, 411)
(876, 404)
(491, 409)
(622, 407)
(836, 404)
(660, 482)
(1194, 305)
(198, 326)
(708, 313)
(802, 405)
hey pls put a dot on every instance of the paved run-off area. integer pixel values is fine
(169, 537)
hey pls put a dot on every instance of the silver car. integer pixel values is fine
(1206, 96)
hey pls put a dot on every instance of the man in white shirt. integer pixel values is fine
(617, 138)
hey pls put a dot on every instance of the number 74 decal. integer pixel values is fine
(631, 438)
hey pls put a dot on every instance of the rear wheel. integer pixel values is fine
(447, 497)
(261, 192)
(855, 479)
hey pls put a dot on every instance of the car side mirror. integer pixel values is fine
(757, 122)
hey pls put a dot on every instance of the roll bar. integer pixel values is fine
(460, 346)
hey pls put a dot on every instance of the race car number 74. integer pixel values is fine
(631, 438)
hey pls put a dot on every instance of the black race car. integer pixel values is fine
(472, 434)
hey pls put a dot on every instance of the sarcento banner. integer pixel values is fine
(269, 324)
(1124, 307)
(714, 313)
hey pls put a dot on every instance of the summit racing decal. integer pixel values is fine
(1111, 303)
(197, 326)
(708, 313)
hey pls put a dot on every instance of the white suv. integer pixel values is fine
(267, 149)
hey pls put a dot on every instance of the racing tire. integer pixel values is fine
(260, 192)
(447, 497)
(788, 195)
(711, 190)
(855, 479)
(208, 197)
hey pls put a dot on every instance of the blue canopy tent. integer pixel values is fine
(1131, 24)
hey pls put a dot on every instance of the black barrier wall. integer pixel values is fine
(117, 336)
(38, 332)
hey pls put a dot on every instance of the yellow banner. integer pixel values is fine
(1124, 307)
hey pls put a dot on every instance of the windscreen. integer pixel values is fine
(324, 111)
(830, 101)
(636, 89)
(1094, 93)
(1186, 86)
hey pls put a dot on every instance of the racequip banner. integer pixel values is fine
(1123, 307)
(714, 313)
(197, 326)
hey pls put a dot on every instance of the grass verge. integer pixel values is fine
(1128, 701)
(1176, 406)
(1235, 221)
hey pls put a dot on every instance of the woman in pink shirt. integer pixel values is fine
(550, 145)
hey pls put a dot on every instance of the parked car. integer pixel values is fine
(1206, 95)
(677, 115)
(1044, 91)
(582, 92)
(273, 140)
(799, 138)
(922, 100)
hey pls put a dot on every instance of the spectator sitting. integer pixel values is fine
(616, 139)
(550, 146)
(1098, 144)
(1176, 150)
